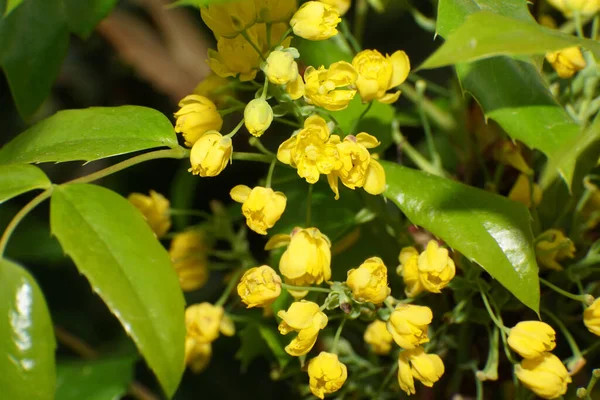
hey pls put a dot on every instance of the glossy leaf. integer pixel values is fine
(486, 228)
(83, 16)
(18, 179)
(26, 337)
(94, 380)
(113, 246)
(485, 34)
(90, 134)
(499, 84)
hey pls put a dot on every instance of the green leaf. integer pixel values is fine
(113, 246)
(18, 179)
(252, 346)
(485, 34)
(90, 134)
(94, 380)
(274, 342)
(83, 16)
(11, 5)
(499, 83)
(486, 228)
(26, 337)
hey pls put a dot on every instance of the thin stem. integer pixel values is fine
(360, 117)
(265, 90)
(305, 288)
(593, 380)
(591, 349)
(570, 340)
(231, 110)
(251, 157)
(433, 153)
(236, 129)
(20, 215)
(584, 298)
(421, 162)
(387, 379)
(309, 205)
(287, 122)
(578, 24)
(336, 338)
(230, 285)
(442, 118)
(360, 17)
(595, 27)
(245, 36)
(349, 36)
(255, 142)
(270, 173)
(497, 322)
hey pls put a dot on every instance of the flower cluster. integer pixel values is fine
(188, 253)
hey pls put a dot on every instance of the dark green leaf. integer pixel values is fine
(11, 5)
(113, 246)
(485, 34)
(17, 179)
(83, 16)
(486, 228)
(90, 134)
(274, 341)
(94, 380)
(252, 346)
(26, 337)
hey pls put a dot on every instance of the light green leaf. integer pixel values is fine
(11, 5)
(26, 337)
(18, 179)
(83, 16)
(486, 228)
(94, 380)
(90, 134)
(485, 34)
(113, 246)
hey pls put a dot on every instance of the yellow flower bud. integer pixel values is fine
(261, 206)
(295, 88)
(509, 153)
(369, 281)
(378, 74)
(275, 10)
(532, 338)
(204, 321)
(280, 67)
(591, 317)
(315, 21)
(258, 116)
(210, 154)
(378, 338)
(415, 363)
(215, 88)
(197, 354)
(436, 268)
(568, 7)
(155, 209)
(408, 325)
(305, 318)
(326, 373)
(553, 246)
(307, 260)
(341, 6)
(566, 62)
(196, 116)
(188, 252)
(321, 85)
(409, 270)
(521, 191)
(259, 286)
(229, 19)
(545, 375)
(375, 182)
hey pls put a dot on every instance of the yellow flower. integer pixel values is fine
(235, 57)
(591, 317)
(210, 154)
(378, 337)
(229, 19)
(197, 354)
(369, 281)
(196, 116)
(258, 116)
(315, 21)
(280, 67)
(204, 321)
(326, 374)
(215, 88)
(155, 209)
(521, 191)
(261, 206)
(311, 151)
(568, 7)
(259, 286)
(409, 269)
(509, 153)
(188, 253)
(296, 88)
(532, 338)
(307, 260)
(341, 6)
(305, 318)
(378, 74)
(357, 167)
(321, 85)
(275, 10)
(566, 62)
(415, 363)
(553, 246)
(408, 325)
(546, 375)
(436, 268)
